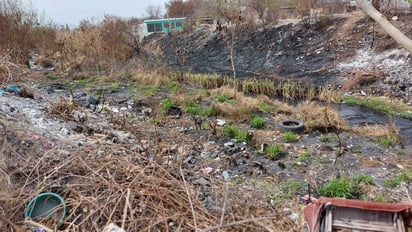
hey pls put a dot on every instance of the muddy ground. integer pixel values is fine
(55, 123)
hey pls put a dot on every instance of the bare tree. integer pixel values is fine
(153, 12)
(368, 7)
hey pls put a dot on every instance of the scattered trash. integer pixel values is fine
(206, 171)
(295, 217)
(13, 88)
(1, 91)
(220, 122)
(225, 175)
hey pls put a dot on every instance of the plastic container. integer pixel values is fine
(46, 205)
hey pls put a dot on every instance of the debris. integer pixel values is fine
(225, 175)
(112, 228)
(220, 122)
(206, 171)
(1, 91)
(13, 88)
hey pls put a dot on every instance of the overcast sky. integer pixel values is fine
(71, 12)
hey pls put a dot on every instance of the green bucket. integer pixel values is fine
(46, 205)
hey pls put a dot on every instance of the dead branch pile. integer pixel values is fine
(110, 183)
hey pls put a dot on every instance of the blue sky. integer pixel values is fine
(71, 12)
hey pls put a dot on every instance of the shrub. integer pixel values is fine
(258, 122)
(290, 137)
(274, 152)
(338, 187)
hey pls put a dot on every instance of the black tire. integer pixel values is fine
(295, 126)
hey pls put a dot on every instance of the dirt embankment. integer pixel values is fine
(341, 50)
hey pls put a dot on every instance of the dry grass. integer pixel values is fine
(63, 108)
(372, 131)
(150, 78)
(319, 118)
(237, 109)
(105, 183)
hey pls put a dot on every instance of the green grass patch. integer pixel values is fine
(403, 176)
(338, 187)
(222, 98)
(304, 157)
(193, 107)
(290, 137)
(174, 86)
(258, 122)
(165, 105)
(363, 179)
(394, 107)
(293, 188)
(274, 152)
(326, 138)
(147, 90)
(265, 107)
(389, 140)
(233, 131)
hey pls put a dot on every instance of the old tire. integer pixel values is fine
(292, 125)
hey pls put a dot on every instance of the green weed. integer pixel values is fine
(381, 105)
(258, 122)
(292, 188)
(326, 138)
(290, 137)
(403, 176)
(274, 152)
(338, 187)
(363, 179)
(265, 107)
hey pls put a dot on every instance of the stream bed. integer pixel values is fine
(357, 115)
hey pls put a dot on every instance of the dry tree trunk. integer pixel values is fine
(395, 33)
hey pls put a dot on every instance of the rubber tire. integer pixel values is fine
(292, 125)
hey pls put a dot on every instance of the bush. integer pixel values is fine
(258, 122)
(338, 187)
